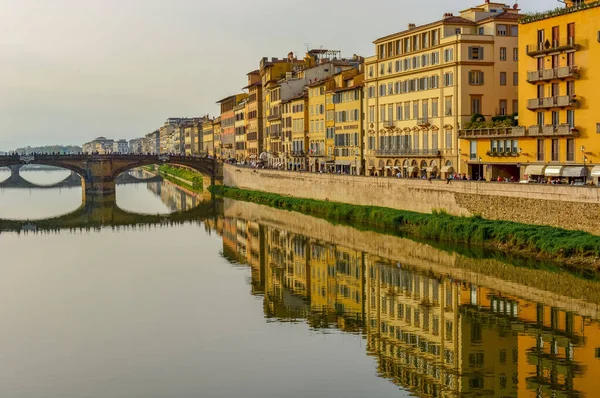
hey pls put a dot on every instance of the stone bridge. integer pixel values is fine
(102, 211)
(99, 172)
(73, 180)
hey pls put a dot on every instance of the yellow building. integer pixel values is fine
(254, 116)
(217, 142)
(208, 147)
(320, 155)
(427, 81)
(295, 116)
(556, 137)
(239, 111)
(345, 107)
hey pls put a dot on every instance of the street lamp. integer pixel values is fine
(584, 169)
(480, 168)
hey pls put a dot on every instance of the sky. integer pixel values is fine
(73, 70)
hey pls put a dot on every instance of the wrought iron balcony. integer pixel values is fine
(553, 74)
(494, 132)
(407, 152)
(549, 46)
(553, 131)
(298, 153)
(561, 101)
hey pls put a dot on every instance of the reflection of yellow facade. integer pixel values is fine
(430, 334)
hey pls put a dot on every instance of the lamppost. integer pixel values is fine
(584, 158)
(480, 168)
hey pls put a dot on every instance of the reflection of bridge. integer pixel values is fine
(73, 180)
(99, 172)
(105, 213)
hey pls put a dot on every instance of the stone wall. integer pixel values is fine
(560, 206)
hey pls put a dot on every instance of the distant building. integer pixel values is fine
(100, 145)
(136, 145)
(121, 146)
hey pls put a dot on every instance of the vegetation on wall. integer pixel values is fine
(479, 122)
(537, 16)
(193, 179)
(550, 242)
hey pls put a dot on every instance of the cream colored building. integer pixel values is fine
(425, 82)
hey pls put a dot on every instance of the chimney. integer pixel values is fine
(411, 26)
(448, 15)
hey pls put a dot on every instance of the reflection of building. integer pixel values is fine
(430, 334)
(175, 198)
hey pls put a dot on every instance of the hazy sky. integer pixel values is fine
(71, 70)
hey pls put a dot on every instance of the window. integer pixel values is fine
(416, 142)
(515, 106)
(571, 59)
(481, 31)
(390, 112)
(406, 110)
(473, 149)
(570, 149)
(503, 78)
(555, 149)
(448, 55)
(382, 90)
(399, 111)
(540, 118)
(476, 53)
(448, 77)
(434, 107)
(501, 30)
(415, 109)
(555, 118)
(434, 140)
(372, 114)
(475, 105)
(502, 108)
(381, 113)
(570, 88)
(448, 106)
(425, 140)
(515, 54)
(515, 146)
(475, 77)
(502, 53)
(515, 78)
(448, 139)
(571, 33)
(540, 150)
(514, 30)
(571, 118)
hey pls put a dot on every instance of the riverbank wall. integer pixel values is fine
(575, 208)
(554, 289)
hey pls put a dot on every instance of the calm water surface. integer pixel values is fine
(234, 299)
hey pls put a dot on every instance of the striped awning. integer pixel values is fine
(535, 170)
(554, 171)
(574, 171)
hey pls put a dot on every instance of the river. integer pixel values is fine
(165, 293)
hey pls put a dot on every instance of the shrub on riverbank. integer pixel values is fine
(194, 178)
(549, 241)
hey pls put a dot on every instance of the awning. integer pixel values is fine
(431, 169)
(554, 171)
(343, 162)
(411, 169)
(447, 169)
(596, 171)
(574, 171)
(396, 167)
(388, 167)
(535, 170)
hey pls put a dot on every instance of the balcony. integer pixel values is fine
(553, 74)
(493, 132)
(561, 130)
(298, 153)
(407, 152)
(251, 136)
(388, 123)
(422, 122)
(273, 117)
(314, 153)
(552, 46)
(560, 101)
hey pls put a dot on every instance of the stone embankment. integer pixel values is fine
(575, 208)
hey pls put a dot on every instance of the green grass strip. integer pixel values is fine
(555, 243)
(193, 177)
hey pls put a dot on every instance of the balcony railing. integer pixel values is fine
(552, 131)
(423, 121)
(272, 117)
(298, 153)
(388, 123)
(560, 101)
(407, 152)
(549, 46)
(494, 132)
(316, 153)
(553, 74)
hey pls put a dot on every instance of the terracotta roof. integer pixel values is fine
(304, 94)
(354, 86)
(255, 71)
(318, 83)
(225, 99)
(504, 16)
(252, 85)
(447, 20)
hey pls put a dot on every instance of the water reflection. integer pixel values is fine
(434, 328)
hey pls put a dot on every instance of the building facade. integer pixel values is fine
(556, 137)
(208, 145)
(254, 116)
(228, 124)
(241, 153)
(426, 82)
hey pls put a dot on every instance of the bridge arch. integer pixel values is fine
(204, 168)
